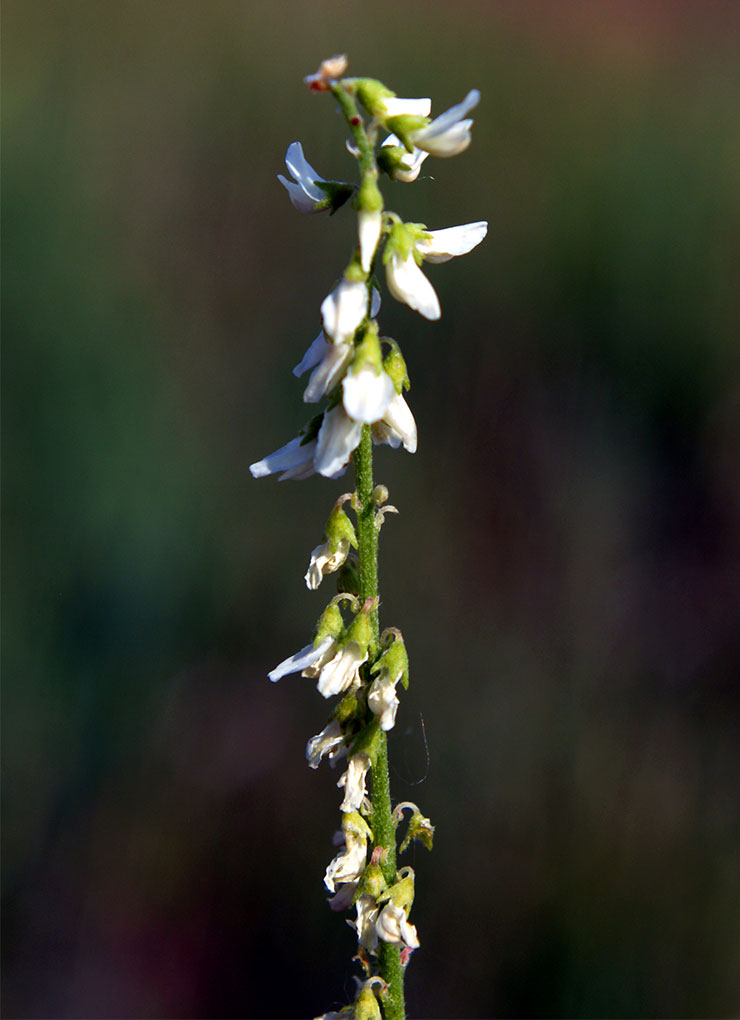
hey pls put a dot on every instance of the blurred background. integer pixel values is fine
(565, 566)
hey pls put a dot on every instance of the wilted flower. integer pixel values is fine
(392, 925)
(329, 743)
(353, 781)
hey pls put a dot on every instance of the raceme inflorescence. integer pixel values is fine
(360, 376)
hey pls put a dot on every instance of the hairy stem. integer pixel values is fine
(384, 831)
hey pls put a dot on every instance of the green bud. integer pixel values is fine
(371, 94)
(330, 623)
(404, 125)
(369, 198)
(395, 367)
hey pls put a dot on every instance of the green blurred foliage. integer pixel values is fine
(564, 566)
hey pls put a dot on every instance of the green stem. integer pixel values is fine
(384, 831)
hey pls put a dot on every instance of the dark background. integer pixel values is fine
(564, 566)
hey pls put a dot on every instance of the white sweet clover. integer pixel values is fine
(364, 388)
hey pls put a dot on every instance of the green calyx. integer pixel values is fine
(395, 366)
(404, 125)
(336, 193)
(371, 883)
(402, 239)
(355, 827)
(368, 353)
(369, 198)
(401, 893)
(391, 160)
(366, 1005)
(311, 430)
(339, 528)
(360, 631)
(330, 623)
(348, 578)
(419, 828)
(348, 709)
(394, 662)
(371, 93)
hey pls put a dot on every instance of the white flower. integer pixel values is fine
(338, 436)
(367, 912)
(295, 460)
(407, 283)
(353, 781)
(405, 279)
(397, 425)
(383, 701)
(367, 394)
(304, 192)
(448, 134)
(344, 309)
(397, 107)
(346, 866)
(369, 226)
(329, 743)
(411, 160)
(443, 245)
(393, 926)
(342, 671)
(324, 561)
(312, 657)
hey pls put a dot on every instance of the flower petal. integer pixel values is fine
(338, 437)
(397, 107)
(344, 309)
(313, 355)
(301, 201)
(407, 283)
(443, 245)
(294, 455)
(303, 172)
(299, 661)
(367, 394)
(369, 226)
(328, 373)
